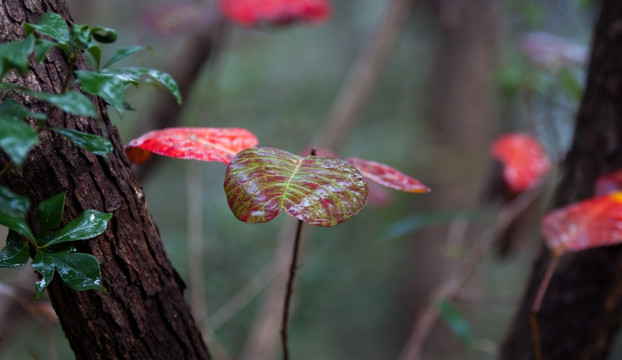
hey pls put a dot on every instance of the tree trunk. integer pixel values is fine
(583, 304)
(143, 315)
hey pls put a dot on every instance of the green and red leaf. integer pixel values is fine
(205, 144)
(260, 182)
(524, 161)
(387, 176)
(584, 225)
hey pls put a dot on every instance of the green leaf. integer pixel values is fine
(96, 54)
(107, 86)
(15, 54)
(104, 35)
(16, 139)
(261, 181)
(42, 46)
(87, 225)
(52, 25)
(44, 265)
(151, 76)
(95, 144)
(78, 271)
(15, 253)
(11, 108)
(50, 213)
(72, 101)
(456, 321)
(81, 36)
(122, 54)
(13, 204)
(16, 224)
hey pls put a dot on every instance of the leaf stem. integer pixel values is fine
(288, 293)
(535, 308)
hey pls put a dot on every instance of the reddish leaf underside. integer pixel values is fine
(262, 181)
(608, 183)
(524, 161)
(387, 176)
(274, 12)
(584, 225)
(205, 144)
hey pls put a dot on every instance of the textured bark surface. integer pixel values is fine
(143, 315)
(583, 304)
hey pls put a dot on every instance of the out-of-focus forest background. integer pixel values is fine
(458, 74)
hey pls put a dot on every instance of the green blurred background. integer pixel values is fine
(454, 80)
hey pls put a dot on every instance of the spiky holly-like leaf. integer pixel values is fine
(274, 12)
(524, 161)
(387, 176)
(586, 224)
(206, 144)
(260, 182)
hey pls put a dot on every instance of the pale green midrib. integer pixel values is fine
(286, 190)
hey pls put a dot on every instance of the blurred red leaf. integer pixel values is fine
(274, 12)
(524, 161)
(262, 181)
(585, 224)
(205, 144)
(387, 176)
(608, 183)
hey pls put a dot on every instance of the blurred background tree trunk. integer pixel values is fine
(143, 315)
(582, 306)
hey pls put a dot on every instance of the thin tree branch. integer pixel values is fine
(426, 319)
(290, 291)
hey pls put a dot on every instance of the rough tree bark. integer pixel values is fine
(143, 315)
(583, 304)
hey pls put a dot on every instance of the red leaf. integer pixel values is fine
(205, 144)
(584, 225)
(524, 161)
(608, 183)
(387, 176)
(274, 12)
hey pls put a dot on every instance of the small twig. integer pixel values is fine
(288, 293)
(448, 288)
(535, 308)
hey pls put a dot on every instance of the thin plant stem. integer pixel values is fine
(288, 293)
(537, 303)
(6, 168)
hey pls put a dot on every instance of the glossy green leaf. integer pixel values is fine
(87, 225)
(78, 271)
(42, 47)
(50, 213)
(260, 182)
(104, 35)
(44, 265)
(13, 204)
(16, 224)
(106, 86)
(52, 25)
(16, 139)
(96, 144)
(456, 321)
(72, 101)
(15, 54)
(81, 36)
(95, 52)
(122, 54)
(15, 253)
(11, 108)
(151, 76)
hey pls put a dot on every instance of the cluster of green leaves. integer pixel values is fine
(17, 137)
(52, 251)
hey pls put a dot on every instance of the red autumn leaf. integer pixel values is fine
(387, 176)
(608, 183)
(524, 161)
(274, 12)
(205, 144)
(585, 224)
(262, 181)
